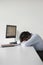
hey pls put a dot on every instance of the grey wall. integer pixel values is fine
(27, 15)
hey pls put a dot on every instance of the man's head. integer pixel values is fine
(24, 36)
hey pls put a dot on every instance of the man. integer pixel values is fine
(28, 39)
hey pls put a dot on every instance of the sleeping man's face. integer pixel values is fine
(24, 39)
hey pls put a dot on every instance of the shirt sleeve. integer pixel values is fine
(35, 39)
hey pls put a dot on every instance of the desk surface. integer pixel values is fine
(19, 56)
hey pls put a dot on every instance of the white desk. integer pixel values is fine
(19, 56)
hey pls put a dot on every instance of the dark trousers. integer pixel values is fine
(40, 53)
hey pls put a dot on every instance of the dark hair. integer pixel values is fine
(25, 36)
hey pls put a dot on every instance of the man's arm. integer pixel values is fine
(33, 40)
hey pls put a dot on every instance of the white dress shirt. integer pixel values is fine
(35, 41)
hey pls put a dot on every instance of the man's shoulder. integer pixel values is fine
(36, 36)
